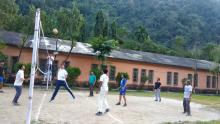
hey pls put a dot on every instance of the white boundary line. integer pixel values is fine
(40, 106)
(109, 114)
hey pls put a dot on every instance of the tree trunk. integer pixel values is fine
(24, 40)
(67, 57)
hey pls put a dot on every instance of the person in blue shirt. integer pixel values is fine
(1, 75)
(92, 80)
(122, 90)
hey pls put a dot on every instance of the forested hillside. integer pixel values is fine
(162, 26)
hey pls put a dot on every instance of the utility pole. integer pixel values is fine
(35, 43)
(195, 76)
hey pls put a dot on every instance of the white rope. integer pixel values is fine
(44, 38)
(37, 54)
(41, 71)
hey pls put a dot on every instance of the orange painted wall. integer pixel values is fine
(84, 63)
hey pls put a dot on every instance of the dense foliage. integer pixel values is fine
(73, 74)
(188, 28)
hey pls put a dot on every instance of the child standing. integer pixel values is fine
(122, 90)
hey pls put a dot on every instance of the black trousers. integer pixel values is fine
(60, 83)
(91, 87)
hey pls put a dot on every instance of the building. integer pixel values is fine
(171, 70)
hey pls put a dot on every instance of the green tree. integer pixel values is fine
(105, 29)
(8, 14)
(141, 34)
(103, 47)
(99, 24)
(179, 46)
(114, 30)
(216, 69)
(2, 56)
(69, 24)
(27, 28)
(206, 52)
(73, 74)
(82, 34)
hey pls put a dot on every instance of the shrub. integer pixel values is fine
(73, 74)
(118, 77)
(3, 57)
(16, 67)
(144, 79)
(142, 83)
(27, 71)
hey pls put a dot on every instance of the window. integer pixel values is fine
(112, 73)
(55, 68)
(196, 80)
(151, 76)
(43, 65)
(213, 81)
(190, 77)
(169, 78)
(175, 78)
(143, 75)
(208, 81)
(94, 66)
(135, 74)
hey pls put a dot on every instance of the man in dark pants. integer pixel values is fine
(187, 98)
(92, 80)
(61, 81)
(1, 76)
(18, 84)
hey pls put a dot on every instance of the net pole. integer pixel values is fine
(33, 65)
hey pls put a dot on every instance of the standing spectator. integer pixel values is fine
(187, 98)
(1, 76)
(18, 84)
(122, 90)
(92, 80)
(157, 90)
(102, 100)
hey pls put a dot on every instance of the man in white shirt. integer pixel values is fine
(187, 98)
(61, 81)
(102, 101)
(18, 84)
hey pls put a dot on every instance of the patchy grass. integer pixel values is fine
(210, 100)
(197, 122)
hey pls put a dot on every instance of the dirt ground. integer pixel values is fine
(65, 110)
